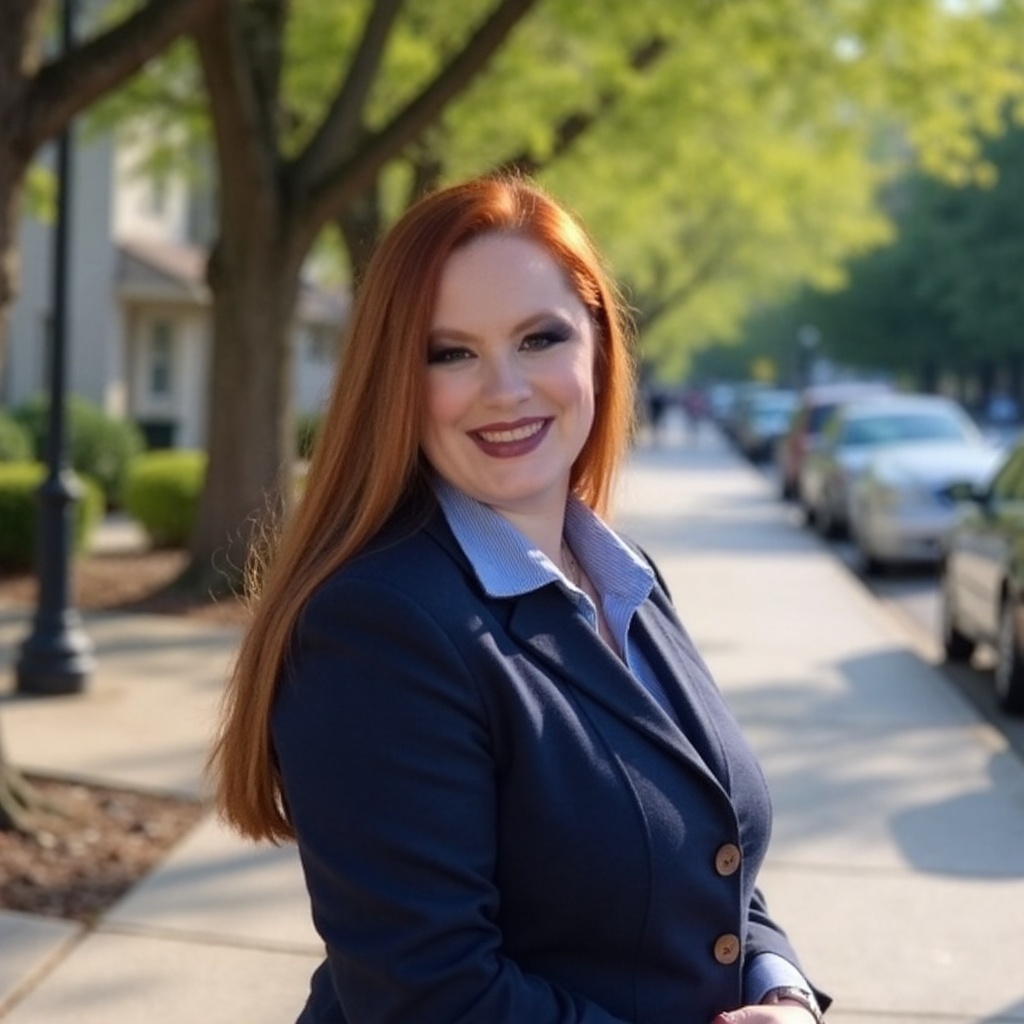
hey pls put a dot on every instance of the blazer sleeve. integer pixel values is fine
(389, 777)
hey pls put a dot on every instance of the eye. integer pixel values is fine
(540, 340)
(447, 354)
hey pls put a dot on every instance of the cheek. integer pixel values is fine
(443, 403)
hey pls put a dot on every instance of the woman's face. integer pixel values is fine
(510, 376)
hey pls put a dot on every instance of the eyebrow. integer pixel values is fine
(533, 320)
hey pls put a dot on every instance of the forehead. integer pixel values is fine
(500, 276)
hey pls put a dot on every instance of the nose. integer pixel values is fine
(505, 382)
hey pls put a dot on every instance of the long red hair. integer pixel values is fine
(367, 460)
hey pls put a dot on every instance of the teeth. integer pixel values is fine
(504, 436)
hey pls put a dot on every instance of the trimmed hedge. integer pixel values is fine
(19, 484)
(99, 446)
(161, 492)
(15, 444)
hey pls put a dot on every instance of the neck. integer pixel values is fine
(544, 529)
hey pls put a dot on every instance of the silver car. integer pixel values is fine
(903, 505)
(855, 432)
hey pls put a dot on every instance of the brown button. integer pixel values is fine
(727, 949)
(727, 860)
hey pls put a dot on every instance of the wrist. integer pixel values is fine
(791, 995)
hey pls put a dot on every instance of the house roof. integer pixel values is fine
(157, 271)
(162, 271)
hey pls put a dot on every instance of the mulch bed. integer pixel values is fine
(78, 863)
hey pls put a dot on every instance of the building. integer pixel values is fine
(139, 325)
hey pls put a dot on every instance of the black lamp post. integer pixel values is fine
(57, 656)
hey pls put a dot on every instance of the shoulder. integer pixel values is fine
(410, 565)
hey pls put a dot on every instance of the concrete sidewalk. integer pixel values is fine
(898, 859)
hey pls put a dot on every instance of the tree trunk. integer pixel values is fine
(361, 226)
(20, 805)
(12, 179)
(250, 433)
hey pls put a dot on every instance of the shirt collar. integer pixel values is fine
(508, 564)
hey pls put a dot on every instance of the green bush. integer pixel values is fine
(162, 492)
(15, 444)
(308, 427)
(19, 484)
(99, 446)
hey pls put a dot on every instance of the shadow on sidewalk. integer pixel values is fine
(888, 757)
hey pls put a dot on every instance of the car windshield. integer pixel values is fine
(887, 428)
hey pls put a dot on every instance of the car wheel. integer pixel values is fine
(825, 520)
(1009, 674)
(872, 565)
(869, 563)
(957, 645)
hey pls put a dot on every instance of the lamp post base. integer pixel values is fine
(57, 658)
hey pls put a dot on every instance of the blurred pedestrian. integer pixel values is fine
(517, 794)
(695, 408)
(657, 406)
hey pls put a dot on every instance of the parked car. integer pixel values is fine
(742, 394)
(983, 579)
(802, 435)
(903, 506)
(854, 432)
(761, 420)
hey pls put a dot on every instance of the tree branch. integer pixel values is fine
(346, 176)
(243, 130)
(574, 125)
(652, 310)
(65, 86)
(339, 133)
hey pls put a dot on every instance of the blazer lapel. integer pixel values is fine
(576, 654)
(584, 661)
(687, 683)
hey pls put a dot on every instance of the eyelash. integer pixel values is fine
(549, 336)
(533, 342)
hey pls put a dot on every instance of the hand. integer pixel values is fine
(780, 1013)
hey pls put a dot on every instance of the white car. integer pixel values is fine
(902, 506)
(855, 433)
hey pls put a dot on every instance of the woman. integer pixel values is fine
(517, 795)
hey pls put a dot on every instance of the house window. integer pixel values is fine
(160, 376)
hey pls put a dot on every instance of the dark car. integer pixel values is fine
(761, 419)
(983, 578)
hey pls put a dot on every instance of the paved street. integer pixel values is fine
(898, 857)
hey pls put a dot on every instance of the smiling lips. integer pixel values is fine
(510, 440)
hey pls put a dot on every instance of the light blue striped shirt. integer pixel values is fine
(508, 564)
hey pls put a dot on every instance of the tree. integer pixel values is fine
(275, 198)
(754, 129)
(744, 158)
(39, 97)
(944, 300)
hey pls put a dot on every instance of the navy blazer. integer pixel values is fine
(497, 823)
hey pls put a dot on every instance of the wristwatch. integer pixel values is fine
(793, 994)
